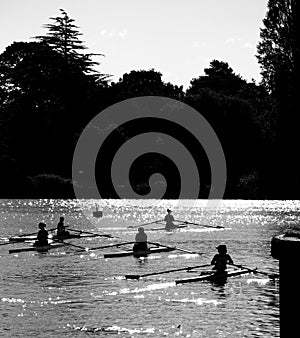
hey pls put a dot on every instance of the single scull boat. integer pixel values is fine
(213, 276)
(43, 248)
(137, 253)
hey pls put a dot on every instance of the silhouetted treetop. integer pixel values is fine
(64, 37)
(219, 78)
(218, 68)
(276, 50)
(145, 82)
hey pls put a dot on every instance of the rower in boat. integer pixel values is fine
(221, 259)
(61, 229)
(42, 236)
(98, 213)
(169, 219)
(140, 241)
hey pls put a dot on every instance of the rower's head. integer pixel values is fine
(222, 249)
(140, 229)
(42, 225)
(61, 219)
(169, 211)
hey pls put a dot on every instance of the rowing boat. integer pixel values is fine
(213, 277)
(137, 253)
(43, 248)
(33, 238)
(22, 238)
(70, 236)
(177, 227)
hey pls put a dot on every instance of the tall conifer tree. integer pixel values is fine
(64, 37)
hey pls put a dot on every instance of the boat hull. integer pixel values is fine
(213, 277)
(169, 230)
(33, 238)
(136, 254)
(43, 248)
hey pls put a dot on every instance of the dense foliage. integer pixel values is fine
(278, 54)
(49, 91)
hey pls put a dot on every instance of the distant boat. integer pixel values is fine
(98, 213)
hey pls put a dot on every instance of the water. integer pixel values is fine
(64, 293)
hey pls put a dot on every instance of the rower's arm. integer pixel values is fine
(213, 261)
(229, 260)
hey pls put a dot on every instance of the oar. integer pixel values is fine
(22, 235)
(108, 246)
(203, 225)
(33, 233)
(256, 271)
(175, 248)
(70, 244)
(166, 271)
(111, 245)
(141, 225)
(92, 249)
(92, 233)
(9, 242)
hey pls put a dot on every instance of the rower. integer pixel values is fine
(42, 236)
(169, 219)
(141, 240)
(221, 259)
(61, 229)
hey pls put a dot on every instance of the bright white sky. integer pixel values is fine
(178, 38)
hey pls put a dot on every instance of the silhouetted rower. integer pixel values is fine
(169, 219)
(221, 259)
(42, 236)
(61, 229)
(141, 240)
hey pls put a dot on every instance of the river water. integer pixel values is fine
(66, 293)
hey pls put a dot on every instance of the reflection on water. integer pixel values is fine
(65, 293)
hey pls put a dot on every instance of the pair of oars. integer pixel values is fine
(182, 222)
(203, 225)
(188, 268)
(92, 233)
(270, 275)
(176, 248)
(144, 224)
(85, 232)
(128, 243)
(124, 243)
(96, 248)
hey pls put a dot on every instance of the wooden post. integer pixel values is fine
(286, 248)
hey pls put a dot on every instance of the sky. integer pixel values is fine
(175, 37)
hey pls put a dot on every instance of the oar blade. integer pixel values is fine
(132, 276)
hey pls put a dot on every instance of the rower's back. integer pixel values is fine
(221, 259)
(141, 240)
(42, 236)
(169, 219)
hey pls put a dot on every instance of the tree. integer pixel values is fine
(143, 83)
(242, 114)
(63, 37)
(278, 54)
(42, 109)
(219, 78)
(276, 50)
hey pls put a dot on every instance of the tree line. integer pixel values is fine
(50, 90)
